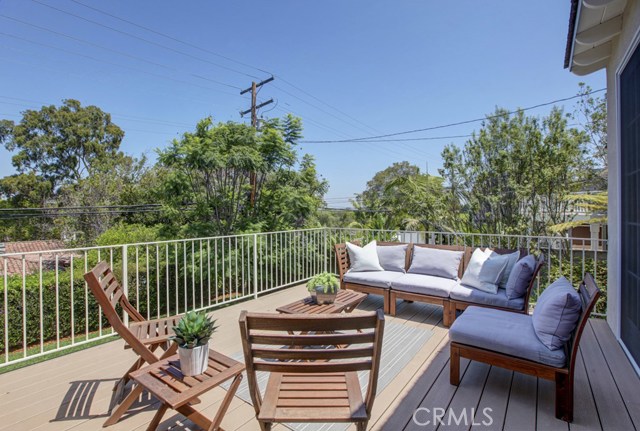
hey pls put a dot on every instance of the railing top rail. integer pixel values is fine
(77, 250)
(138, 244)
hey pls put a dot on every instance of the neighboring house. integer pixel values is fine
(31, 263)
(605, 34)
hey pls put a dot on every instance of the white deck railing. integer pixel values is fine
(46, 306)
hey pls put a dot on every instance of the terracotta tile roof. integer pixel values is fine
(31, 261)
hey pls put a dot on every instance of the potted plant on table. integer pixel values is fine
(324, 288)
(192, 336)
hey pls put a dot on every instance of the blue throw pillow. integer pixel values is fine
(557, 313)
(520, 277)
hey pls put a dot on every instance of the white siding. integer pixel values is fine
(621, 49)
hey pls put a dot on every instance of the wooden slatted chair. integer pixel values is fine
(563, 376)
(143, 336)
(313, 369)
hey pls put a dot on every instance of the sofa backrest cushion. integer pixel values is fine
(512, 258)
(364, 258)
(436, 262)
(484, 270)
(556, 313)
(393, 257)
(520, 277)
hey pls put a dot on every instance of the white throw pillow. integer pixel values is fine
(484, 271)
(364, 258)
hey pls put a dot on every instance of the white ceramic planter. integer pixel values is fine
(194, 361)
(324, 298)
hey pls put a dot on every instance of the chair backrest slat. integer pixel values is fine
(307, 323)
(312, 354)
(313, 339)
(108, 293)
(312, 367)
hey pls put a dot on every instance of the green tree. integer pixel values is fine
(591, 113)
(514, 175)
(61, 144)
(207, 186)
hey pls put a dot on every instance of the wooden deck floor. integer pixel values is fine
(73, 392)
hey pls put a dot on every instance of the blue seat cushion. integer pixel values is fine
(504, 332)
(372, 278)
(461, 292)
(424, 284)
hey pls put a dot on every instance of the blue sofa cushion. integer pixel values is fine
(372, 278)
(424, 285)
(504, 332)
(461, 292)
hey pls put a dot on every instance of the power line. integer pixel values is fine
(459, 123)
(113, 64)
(143, 39)
(172, 38)
(135, 57)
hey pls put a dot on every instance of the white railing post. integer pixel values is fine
(326, 254)
(255, 265)
(125, 280)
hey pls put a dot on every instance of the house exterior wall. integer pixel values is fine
(622, 48)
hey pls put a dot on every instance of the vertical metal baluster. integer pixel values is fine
(571, 259)
(146, 268)
(208, 272)
(224, 279)
(215, 252)
(243, 239)
(235, 253)
(57, 271)
(560, 259)
(230, 272)
(271, 262)
(595, 264)
(175, 257)
(166, 276)
(6, 310)
(193, 275)
(255, 266)
(584, 258)
(71, 296)
(201, 279)
(137, 279)
(86, 299)
(99, 309)
(41, 304)
(157, 281)
(184, 266)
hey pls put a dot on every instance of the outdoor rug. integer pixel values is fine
(399, 345)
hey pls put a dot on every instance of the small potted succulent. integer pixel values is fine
(324, 288)
(192, 336)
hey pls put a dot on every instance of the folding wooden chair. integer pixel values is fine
(314, 377)
(144, 337)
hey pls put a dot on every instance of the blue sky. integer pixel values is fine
(359, 68)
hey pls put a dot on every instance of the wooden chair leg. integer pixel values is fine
(153, 425)
(361, 426)
(265, 426)
(386, 302)
(448, 313)
(454, 366)
(392, 303)
(564, 397)
(124, 406)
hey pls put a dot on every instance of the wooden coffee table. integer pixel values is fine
(346, 301)
(166, 382)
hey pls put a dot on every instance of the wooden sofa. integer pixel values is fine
(450, 305)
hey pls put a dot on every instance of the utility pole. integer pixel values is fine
(254, 123)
